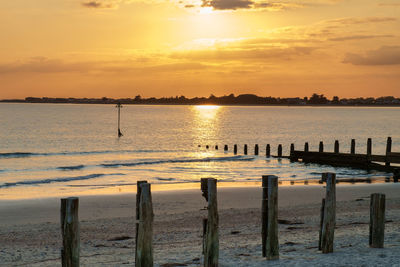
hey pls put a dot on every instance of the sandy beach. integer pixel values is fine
(30, 230)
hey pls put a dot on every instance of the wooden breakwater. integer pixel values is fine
(336, 158)
(70, 228)
(352, 159)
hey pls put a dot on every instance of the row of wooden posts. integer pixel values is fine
(306, 148)
(269, 214)
(336, 158)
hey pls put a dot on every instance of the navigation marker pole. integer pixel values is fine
(119, 106)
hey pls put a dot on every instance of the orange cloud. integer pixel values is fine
(386, 55)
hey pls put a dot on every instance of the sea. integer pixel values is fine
(54, 150)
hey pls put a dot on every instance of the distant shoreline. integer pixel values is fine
(231, 100)
(184, 104)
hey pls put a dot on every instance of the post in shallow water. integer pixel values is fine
(119, 106)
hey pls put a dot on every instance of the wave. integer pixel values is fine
(72, 153)
(57, 180)
(208, 159)
(164, 179)
(71, 168)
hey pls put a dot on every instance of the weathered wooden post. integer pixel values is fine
(256, 150)
(306, 147)
(138, 195)
(353, 146)
(272, 246)
(264, 214)
(396, 175)
(226, 148)
(337, 146)
(211, 251)
(216, 147)
(268, 151)
(279, 150)
(235, 149)
(70, 232)
(388, 151)
(245, 149)
(369, 147)
(291, 156)
(204, 235)
(321, 147)
(144, 246)
(320, 224)
(377, 221)
(329, 220)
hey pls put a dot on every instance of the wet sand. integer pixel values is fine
(30, 232)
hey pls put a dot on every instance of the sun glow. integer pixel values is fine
(206, 10)
(207, 107)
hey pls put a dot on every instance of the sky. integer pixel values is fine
(155, 48)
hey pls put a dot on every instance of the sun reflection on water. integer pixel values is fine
(208, 112)
(206, 126)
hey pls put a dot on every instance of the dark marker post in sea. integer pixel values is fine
(119, 106)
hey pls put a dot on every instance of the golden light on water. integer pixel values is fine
(208, 112)
(206, 124)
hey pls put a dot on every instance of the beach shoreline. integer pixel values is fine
(30, 229)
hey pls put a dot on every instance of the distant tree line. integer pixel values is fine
(243, 99)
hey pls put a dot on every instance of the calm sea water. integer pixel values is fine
(56, 149)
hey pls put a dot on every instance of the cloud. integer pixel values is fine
(349, 21)
(247, 4)
(390, 4)
(100, 4)
(251, 55)
(41, 65)
(386, 55)
(359, 37)
(227, 4)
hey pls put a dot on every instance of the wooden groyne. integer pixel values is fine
(367, 161)
(211, 240)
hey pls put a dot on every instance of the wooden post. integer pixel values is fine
(321, 146)
(272, 247)
(256, 150)
(226, 148)
(119, 106)
(369, 147)
(245, 149)
(291, 156)
(235, 149)
(396, 175)
(388, 151)
(70, 232)
(353, 146)
(138, 195)
(320, 223)
(377, 221)
(204, 234)
(306, 147)
(216, 147)
(211, 253)
(329, 220)
(264, 215)
(204, 188)
(268, 151)
(337, 146)
(279, 150)
(144, 247)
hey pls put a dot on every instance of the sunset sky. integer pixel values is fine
(122, 48)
